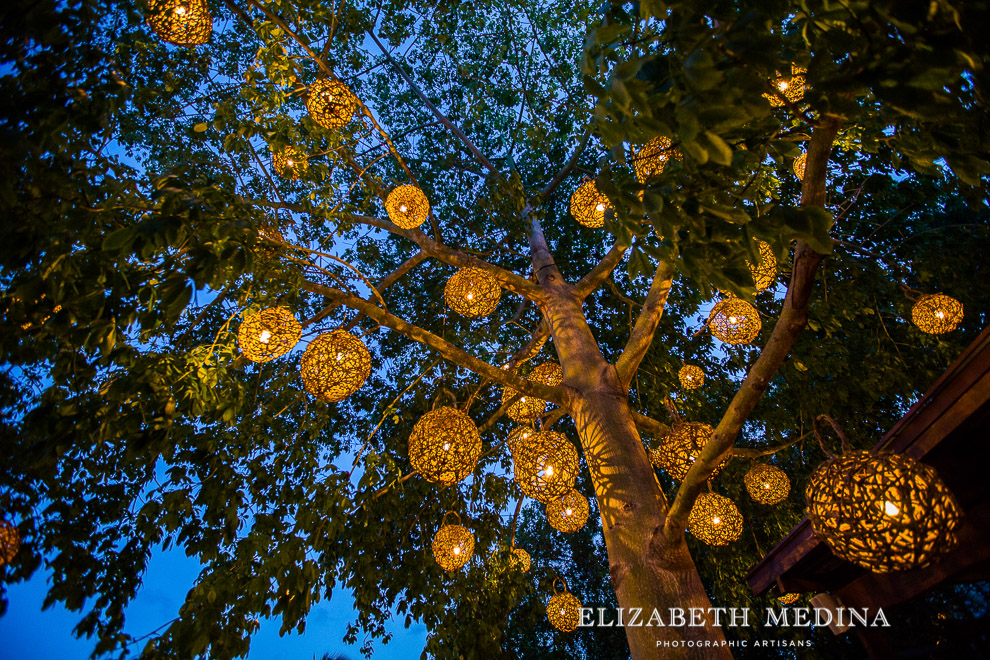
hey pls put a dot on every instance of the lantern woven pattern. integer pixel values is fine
(331, 103)
(788, 599)
(654, 157)
(268, 334)
(10, 542)
(691, 377)
(799, 164)
(335, 365)
(453, 546)
(588, 205)
(472, 292)
(546, 466)
(715, 519)
(548, 373)
(792, 87)
(734, 321)
(519, 437)
(937, 314)
(181, 22)
(444, 445)
(525, 409)
(564, 611)
(884, 512)
(767, 484)
(407, 207)
(520, 559)
(764, 274)
(289, 163)
(680, 449)
(568, 513)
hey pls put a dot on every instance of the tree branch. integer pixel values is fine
(597, 275)
(566, 169)
(646, 324)
(650, 425)
(745, 452)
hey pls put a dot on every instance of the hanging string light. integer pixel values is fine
(289, 163)
(335, 365)
(767, 484)
(654, 157)
(453, 545)
(549, 373)
(180, 22)
(569, 512)
(691, 377)
(545, 467)
(472, 292)
(520, 559)
(331, 103)
(444, 445)
(792, 87)
(681, 448)
(734, 321)
(799, 164)
(715, 519)
(564, 609)
(937, 313)
(268, 334)
(407, 207)
(10, 542)
(588, 205)
(766, 273)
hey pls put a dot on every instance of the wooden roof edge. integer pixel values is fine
(800, 535)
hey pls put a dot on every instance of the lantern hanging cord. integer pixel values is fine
(838, 431)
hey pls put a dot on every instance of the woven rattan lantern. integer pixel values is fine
(788, 599)
(691, 377)
(734, 321)
(519, 437)
(335, 365)
(546, 466)
(884, 512)
(548, 373)
(331, 103)
(472, 292)
(765, 273)
(289, 163)
(180, 22)
(268, 334)
(799, 164)
(767, 484)
(568, 513)
(715, 519)
(10, 542)
(564, 609)
(681, 448)
(407, 207)
(444, 445)
(525, 409)
(588, 205)
(519, 559)
(453, 545)
(937, 314)
(654, 158)
(791, 87)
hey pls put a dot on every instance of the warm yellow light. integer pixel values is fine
(457, 550)
(181, 10)
(403, 208)
(549, 471)
(569, 511)
(470, 296)
(733, 320)
(716, 520)
(890, 508)
(782, 86)
(265, 336)
(446, 446)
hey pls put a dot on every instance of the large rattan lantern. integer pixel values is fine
(335, 365)
(564, 608)
(268, 334)
(937, 314)
(765, 273)
(472, 292)
(10, 542)
(331, 103)
(654, 157)
(734, 321)
(799, 165)
(545, 467)
(791, 87)
(568, 513)
(407, 207)
(681, 448)
(884, 512)
(767, 484)
(181, 22)
(444, 445)
(549, 373)
(525, 409)
(691, 377)
(588, 205)
(520, 559)
(715, 519)
(289, 163)
(453, 545)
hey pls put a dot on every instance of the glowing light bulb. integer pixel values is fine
(890, 508)
(569, 512)
(290, 162)
(340, 356)
(446, 446)
(522, 400)
(403, 208)
(766, 486)
(600, 208)
(549, 471)
(782, 85)
(181, 10)
(470, 296)
(733, 320)
(457, 550)
(562, 611)
(265, 336)
(716, 520)
(940, 314)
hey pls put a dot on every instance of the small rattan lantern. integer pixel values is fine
(519, 558)
(766, 273)
(715, 519)
(181, 22)
(884, 512)
(444, 445)
(788, 599)
(767, 484)
(734, 321)
(472, 292)
(335, 365)
(10, 542)
(568, 513)
(545, 467)
(526, 408)
(549, 373)
(289, 163)
(588, 205)
(691, 377)
(681, 448)
(937, 314)
(453, 545)
(791, 87)
(654, 158)
(268, 334)
(407, 207)
(564, 609)
(331, 103)
(799, 164)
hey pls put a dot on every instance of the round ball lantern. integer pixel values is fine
(331, 103)
(564, 609)
(937, 314)
(654, 157)
(734, 321)
(691, 377)
(519, 558)
(788, 599)
(568, 513)
(407, 207)
(335, 365)
(545, 468)
(289, 163)
(765, 273)
(526, 408)
(472, 292)
(444, 445)
(520, 437)
(548, 373)
(268, 334)
(10, 542)
(884, 512)
(767, 484)
(715, 519)
(453, 545)
(680, 449)
(588, 205)
(799, 164)
(791, 87)
(181, 22)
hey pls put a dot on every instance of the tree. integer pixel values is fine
(148, 219)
